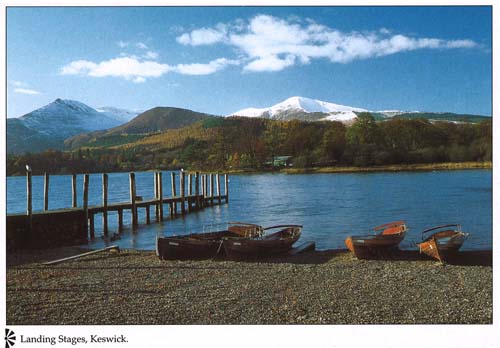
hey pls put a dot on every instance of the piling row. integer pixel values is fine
(207, 192)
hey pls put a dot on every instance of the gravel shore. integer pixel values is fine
(321, 287)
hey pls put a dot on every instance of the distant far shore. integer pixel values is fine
(384, 168)
(336, 169)
(393, 168)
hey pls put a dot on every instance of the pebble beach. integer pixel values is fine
(316, 287)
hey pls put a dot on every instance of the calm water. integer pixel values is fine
(330, 206)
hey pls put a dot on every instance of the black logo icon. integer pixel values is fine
(10, 338)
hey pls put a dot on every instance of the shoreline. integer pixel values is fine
(317, 287)
(393, 168)
(340, 169)
(417, 167)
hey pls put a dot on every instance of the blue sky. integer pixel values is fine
(222, 59)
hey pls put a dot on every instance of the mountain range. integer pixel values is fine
(151, 121)
(48, 126)
(316, 110)
(296, 107)
(68, 124)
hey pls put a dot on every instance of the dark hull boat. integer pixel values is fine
(387, 240)
(267, 245)
(444, 243)
(203, 245)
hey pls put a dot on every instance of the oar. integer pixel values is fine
(113, 247)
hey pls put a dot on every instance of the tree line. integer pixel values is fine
(252, 143)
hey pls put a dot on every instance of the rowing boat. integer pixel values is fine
(443, 243)
(386, 239)
(203, 245)
(269, 244)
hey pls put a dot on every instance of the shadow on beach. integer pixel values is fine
(25, 257)
(463, 258)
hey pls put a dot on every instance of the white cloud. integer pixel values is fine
(272, 44)
(23, 88)
(129, 68)
(139, 79)
(136, 70)
(122, 44)
(461, 44)
(203, 36)
(151, 55)
(18, 83)
(77, 67)
(204, 69)
(141, 45)
(26, 91)
(270, 63)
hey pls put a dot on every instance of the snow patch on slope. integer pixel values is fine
(336, 112)
(67, 118)
(121, 115)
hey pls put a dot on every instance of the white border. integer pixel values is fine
(330, 336)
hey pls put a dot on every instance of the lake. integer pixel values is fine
(329, 206)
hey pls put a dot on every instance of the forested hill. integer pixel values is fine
(152, 121)
(218, 143)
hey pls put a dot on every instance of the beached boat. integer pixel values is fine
(386, 239)
(204, 245)
(271, 243)
(444, 242)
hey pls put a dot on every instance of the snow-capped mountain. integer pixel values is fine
(121, 115)
(307, 109)
(66, 118)
(48, 126)
(290, 107)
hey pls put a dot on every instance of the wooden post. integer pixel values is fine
(29, 195)
(105, 204)
(174, 193)
(148, 217)
(202, 201)
(160, 195)
(157, 205)
(203, 185)
(211, 189)
(73, 191)
(217, 182)
(206, 186)
(226, 187)
(132, 198)
(183, 191)
(190, 191)
(86, 201)
(92, 225)
(205, 189)
(120, 220)
(197, 189)
(46, 192)
(171, 206)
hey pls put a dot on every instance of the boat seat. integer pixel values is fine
(244, 231)
(393, 230)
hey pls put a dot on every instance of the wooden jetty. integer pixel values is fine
(180, 203)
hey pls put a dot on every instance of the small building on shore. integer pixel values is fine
(280, 161)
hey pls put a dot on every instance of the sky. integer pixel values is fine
(220, 60)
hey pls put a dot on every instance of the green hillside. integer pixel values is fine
(240, 143)
(436, 116)
(149, 122)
